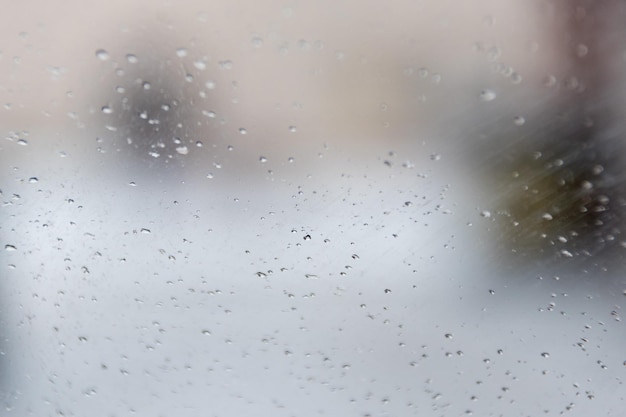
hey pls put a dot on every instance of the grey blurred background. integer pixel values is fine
(283, 208)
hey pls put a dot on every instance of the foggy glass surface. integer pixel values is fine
(295, 208)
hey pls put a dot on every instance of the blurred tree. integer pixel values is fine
(560, 183)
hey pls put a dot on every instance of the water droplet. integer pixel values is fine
(519, 120)
(493, 54)
(448, 335)
(10, 248)
(257, 41)
(22, 142)
(545, 355)
(422, 72)
(582, 50)
(550, 81)
(263, 159)
(572, 83)
(201, 65)
(33, 180)
(106, 110)
(485, 213)
(206, 332)
(181, 52)
(210, 85)
(132, 58)
(597, 170)
(146, 85)
(506, 71)
(102, 54)
(516, 78)
(145, 231)
(487, 95)
(226, 65)
(243, 131)
(387, 290)
(307, 237)
(292, 129)
(182, 150)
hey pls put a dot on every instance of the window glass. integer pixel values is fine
(297, 208)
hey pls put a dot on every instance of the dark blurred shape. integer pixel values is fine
(566, 198)
(154, 99)
(560, 185)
